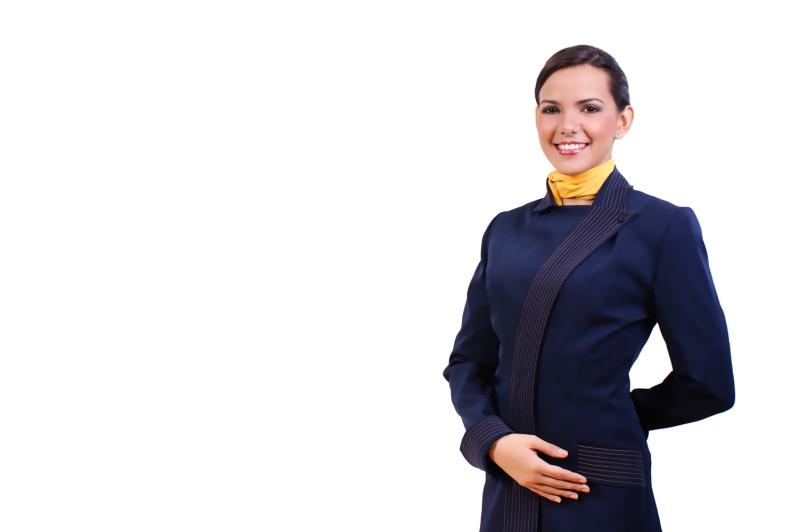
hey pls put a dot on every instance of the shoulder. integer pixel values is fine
(646, 204)
(505, 220)
(503, 224)
(660, 212)
(662, 217)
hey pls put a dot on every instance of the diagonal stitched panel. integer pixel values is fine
(602, 222)
(599, 225)
(607, 216)
(521, 509)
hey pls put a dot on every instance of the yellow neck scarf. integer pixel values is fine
(583, 186)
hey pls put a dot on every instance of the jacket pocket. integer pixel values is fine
(615, 467)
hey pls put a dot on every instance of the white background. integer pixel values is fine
(236, 237)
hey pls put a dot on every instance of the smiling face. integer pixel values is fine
(577, 119)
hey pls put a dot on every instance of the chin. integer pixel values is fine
(574, 166)
(572, 169)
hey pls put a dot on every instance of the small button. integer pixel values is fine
(622, 218)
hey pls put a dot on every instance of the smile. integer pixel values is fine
(570, 148)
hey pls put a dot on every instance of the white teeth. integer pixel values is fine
(571, 146)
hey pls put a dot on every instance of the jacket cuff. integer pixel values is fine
(477, 440)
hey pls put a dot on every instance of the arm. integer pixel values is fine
(693, 326)
(471, 368)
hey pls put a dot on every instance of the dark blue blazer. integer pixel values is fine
(561, 304)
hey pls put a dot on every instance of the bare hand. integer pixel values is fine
(517, 455)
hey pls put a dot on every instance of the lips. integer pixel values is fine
(570, 148)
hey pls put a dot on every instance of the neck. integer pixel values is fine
(582, 188)
(570, 201)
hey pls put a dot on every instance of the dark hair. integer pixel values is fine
(584, 54)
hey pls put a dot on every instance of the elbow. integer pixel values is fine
(455, 360)
(723, 399)
(729, 395)
(710, 398)
(717, 392)
(728, 400)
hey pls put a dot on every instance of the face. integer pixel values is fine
(578, 120)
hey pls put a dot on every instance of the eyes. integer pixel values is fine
(591, 109)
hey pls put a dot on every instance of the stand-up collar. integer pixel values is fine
(613, 194)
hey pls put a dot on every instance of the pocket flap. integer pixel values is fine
(616, 467)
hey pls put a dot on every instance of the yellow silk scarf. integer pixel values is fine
(583, 186)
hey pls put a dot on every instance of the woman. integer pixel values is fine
(567, 291)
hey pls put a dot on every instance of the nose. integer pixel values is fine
(570, 123)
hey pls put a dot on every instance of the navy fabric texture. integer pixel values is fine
(558, 310)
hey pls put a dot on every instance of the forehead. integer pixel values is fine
(576, 83)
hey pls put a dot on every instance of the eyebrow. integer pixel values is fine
(587, 100)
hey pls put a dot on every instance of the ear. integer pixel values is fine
(536, 116)
(624, 122)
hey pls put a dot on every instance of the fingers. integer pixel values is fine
(554, 483)
(538, 444)
(549, 470)
(551, 493)
(562, 485)
(544, 494)
(554, 489)
(562, 474)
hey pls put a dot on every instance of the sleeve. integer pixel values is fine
(471, 369)
(693, 326)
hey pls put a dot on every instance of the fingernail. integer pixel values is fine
(562, 452)
(574, 496)
(557, 499)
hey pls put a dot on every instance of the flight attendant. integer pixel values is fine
(567, 292)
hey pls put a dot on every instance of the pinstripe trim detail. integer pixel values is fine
(607, 216)
(616, 467)
(479, 436)
(521, 509)
(548, 200)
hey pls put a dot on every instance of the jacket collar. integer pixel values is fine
(613, 194)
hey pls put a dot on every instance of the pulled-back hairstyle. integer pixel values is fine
(584, 54)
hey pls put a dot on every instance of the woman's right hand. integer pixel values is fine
(517, 455)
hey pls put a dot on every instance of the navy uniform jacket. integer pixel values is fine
(561, 304)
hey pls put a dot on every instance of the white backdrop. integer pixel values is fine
(236, 237)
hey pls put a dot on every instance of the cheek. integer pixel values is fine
(545, 140)
(604, 131)
(544, 130)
